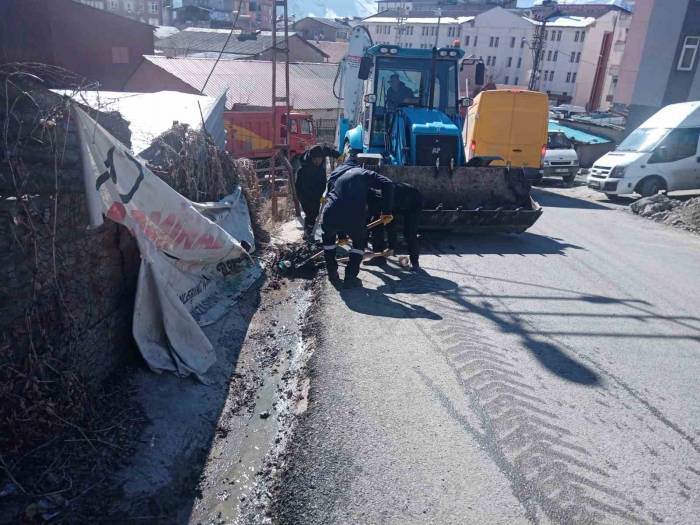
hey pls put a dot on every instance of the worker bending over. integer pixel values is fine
(346, 212)
(311, 182)
(408, 203)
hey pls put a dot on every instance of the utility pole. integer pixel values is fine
(537, 46)
(279, 118)
(437, 32)
(401, 22)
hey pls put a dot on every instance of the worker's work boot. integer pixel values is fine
(331, 263)
(353, 269)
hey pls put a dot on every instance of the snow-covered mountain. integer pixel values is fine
(332, 8)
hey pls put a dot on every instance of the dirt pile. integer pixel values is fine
(661, 208)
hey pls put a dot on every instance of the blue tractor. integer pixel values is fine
(401, 111)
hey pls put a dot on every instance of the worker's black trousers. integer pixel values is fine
(359, 243)
(310, 215)
(410, 233)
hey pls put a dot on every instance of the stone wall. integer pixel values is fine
(66, 292)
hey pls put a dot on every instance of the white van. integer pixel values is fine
(661, 154)
(560, 158)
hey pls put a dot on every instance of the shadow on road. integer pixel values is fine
(549, 199)
(374, 302)
(497, 244)
(548, 354)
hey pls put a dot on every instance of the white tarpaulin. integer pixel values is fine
(187, 249)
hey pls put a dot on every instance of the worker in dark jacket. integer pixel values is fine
(311, 182)
(408, 203)
(346, 212)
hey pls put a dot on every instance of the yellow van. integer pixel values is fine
(511, 124)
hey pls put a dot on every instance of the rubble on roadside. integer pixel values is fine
(674, 212)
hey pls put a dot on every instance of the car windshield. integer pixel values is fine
(306, 127)
(558, 141)
(643, 139)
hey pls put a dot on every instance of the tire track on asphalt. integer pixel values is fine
(547, 470)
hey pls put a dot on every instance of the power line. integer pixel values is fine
(233, 28)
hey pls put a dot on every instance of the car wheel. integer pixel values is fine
(651, 186)
(569, 179)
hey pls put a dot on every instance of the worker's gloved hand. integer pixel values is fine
(323, 200)
(386, 219)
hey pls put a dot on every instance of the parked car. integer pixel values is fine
(661, 154)
(560, 159)
(510, 124)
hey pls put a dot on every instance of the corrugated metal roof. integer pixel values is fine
(194, 41)
(335, 50)
(249, 81)
(330, 22)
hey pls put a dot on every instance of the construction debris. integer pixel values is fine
(674, 212)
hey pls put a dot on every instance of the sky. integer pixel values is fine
(332, 8)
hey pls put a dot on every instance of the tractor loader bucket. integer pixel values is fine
(471, 199)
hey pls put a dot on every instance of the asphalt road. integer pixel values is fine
(550, 377)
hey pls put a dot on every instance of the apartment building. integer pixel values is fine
(422, 31)
(561, 54)
(501, 39)
(601, 57)
(660, 64)
(580, 54)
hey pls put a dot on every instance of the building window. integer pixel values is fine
(490, 41)
(568, 76)
(554, 36)
(154, 8)
(505, 80)
(551, 76)
(510, 62)
(493, 61)
(114, 5)
(466, 41)
(515, 81)
(520, 62)
(120, 55)
(549, 55)
(522, 43)
(578, 57)
(496, 45)
(545, 34)
(488, 61)
(559, 36)
(545, 75)
(690, 49)
(476, 38)
(129, 7)
(583, 34)
(573, 56)
(576, 36)
(573, 78)
(512, 41)
(554, 57)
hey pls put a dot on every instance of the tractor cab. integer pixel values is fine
(411, 105)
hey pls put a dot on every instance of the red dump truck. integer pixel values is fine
(250, 134)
